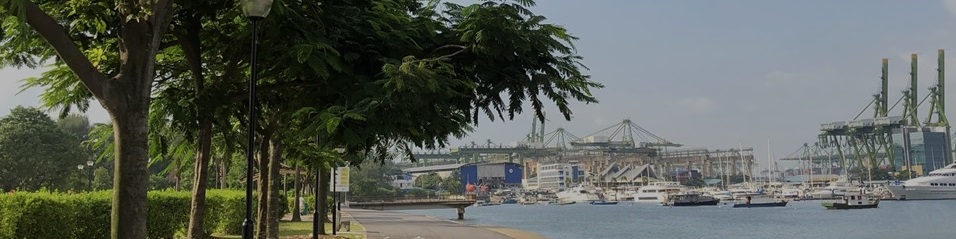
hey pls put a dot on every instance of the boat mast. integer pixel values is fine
(809, 165)
(750, 166)
(723, 173)
(769, 163)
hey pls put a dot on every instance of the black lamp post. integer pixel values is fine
(90, 165)
(255, 10)
(80, 167)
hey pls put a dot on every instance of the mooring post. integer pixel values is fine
(461, 212)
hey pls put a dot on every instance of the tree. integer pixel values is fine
(101, 179)
(34, 153)
(371, 179)
(428, 181)
(111, 52)
(76, 125)
(452, 184)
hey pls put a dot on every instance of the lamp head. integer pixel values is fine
(80, 167)
(89, 163)
(256, 9)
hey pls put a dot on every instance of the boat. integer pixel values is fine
(657, 192)
(602, 202)
(856, 199)
(789, 193)
(690, 199)
(509, 201)
(937, 185)
(748, 204)
(565, 203)
(576, 194)
(835, 189)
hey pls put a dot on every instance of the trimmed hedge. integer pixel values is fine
(87, 215)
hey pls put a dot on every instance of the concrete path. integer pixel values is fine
(397, 225)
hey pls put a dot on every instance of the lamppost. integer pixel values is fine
(255, 10)
(80, 167)
(89, 164)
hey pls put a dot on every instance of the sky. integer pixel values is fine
(718, 74)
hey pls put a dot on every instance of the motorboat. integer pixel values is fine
(577, 194)
(938, 184)
(602, 202)
(748, 204)
(656, 192)
(835, 189)
(721, 195)
(854, 199)
(690, 199)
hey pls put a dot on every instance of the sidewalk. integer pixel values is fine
(396, 225)
(357, 229)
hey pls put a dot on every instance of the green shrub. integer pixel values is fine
(87, 215)
(35, 215)
(167, 212)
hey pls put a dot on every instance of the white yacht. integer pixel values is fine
(836, 189)
(939, 184)
(790, 193)
(657, 192)
(577, 195)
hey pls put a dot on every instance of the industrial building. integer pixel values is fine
(493, 175)
(926, 149)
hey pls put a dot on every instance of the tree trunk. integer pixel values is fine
(275, 212)
(296, 185)
(190, 43)
(263, 183)
(323, 194)
(200, 180)
(126, 97)
(177, 172)
(130, 174)
(224, 164)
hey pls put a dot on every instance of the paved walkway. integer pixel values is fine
(397, 225)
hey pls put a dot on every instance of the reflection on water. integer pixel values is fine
(894, 219)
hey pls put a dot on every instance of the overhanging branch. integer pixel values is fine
(56, 36)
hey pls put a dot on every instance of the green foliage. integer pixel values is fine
(418, 192)
(372, 179)
(168, 212)
(76, 125)
(452, 184)
(34, 153)
(428, 181)
(102, 179)
(58, 215)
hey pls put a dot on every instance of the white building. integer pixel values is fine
(557, 176)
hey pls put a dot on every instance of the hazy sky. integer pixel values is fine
(717, 74)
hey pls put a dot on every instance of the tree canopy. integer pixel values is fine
(370, 76)
(34, 153)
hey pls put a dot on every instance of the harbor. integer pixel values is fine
(885, 157)
(802, 219)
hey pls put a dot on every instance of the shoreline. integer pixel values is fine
(398, 224)
(507, 231)
(512, 232)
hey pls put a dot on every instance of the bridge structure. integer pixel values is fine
(458, 202)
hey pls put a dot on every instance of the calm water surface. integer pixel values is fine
(807, 219)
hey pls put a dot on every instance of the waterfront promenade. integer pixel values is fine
(397, 225)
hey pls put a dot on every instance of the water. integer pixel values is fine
(806, 219)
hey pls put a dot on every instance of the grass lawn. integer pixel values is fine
(297, 230)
